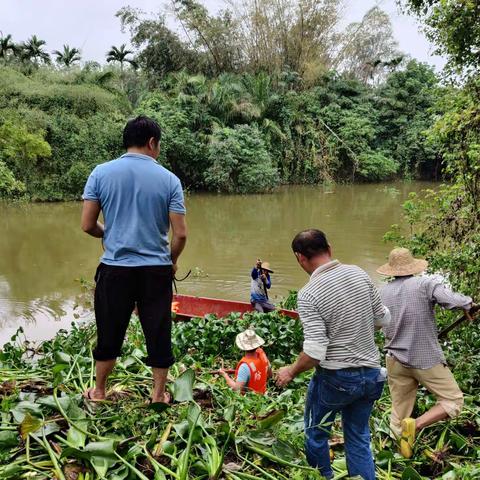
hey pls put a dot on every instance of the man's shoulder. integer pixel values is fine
(117, 164)
(353, 269)
(338, 274)
(101, 168)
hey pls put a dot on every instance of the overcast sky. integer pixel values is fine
(92, 26)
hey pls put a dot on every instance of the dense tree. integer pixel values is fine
(53, 131)
(305, 30)
(453, 26)
(8, 48)
(212, 35)
(160, 51)
(406, 105)
(120, 55)
(68, 56)
(369, 50)
(249, 89)
(239, 161)
(275, 36)
(33, 50)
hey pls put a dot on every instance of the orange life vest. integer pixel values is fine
(258, 366)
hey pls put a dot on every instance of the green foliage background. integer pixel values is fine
(235, 133)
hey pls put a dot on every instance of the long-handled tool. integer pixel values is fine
(467, 315)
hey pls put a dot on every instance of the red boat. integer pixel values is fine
(187, 306)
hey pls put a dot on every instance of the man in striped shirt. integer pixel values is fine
(340, 309)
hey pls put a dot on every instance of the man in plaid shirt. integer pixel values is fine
(414, 355)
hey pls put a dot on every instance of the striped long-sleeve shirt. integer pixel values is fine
(339, 308)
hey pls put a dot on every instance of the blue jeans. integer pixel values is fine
(351, 391)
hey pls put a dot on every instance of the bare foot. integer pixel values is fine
(165, 398)
(93, 395)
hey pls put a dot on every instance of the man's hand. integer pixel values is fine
(471, 312)
(284, 376)
(174, 268)
(179, 237)
(90, 224)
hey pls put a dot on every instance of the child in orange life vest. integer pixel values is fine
(254, 369)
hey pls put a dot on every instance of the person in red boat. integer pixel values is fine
(254, 369)
(260, 283)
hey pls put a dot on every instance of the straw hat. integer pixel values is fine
(402, 263)
(249, 340)
(266, 266)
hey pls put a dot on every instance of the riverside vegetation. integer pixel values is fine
(238, 113)
(209, 432)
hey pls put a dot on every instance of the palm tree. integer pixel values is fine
(68, 56)
(32, 49)
(119, 55)
(7, 47)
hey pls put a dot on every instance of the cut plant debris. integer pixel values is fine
(49, 431)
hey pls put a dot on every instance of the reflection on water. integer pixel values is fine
(43, 252)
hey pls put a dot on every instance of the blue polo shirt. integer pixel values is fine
(136, 195)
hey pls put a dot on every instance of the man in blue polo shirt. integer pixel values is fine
(139, 200)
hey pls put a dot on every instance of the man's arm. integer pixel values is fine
(179, 236)
(314, 345)
(444, 296)
(90, 224)
(233, 384)
(303, 363)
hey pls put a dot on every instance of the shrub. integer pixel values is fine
(240, 161)
(9, 186)
(375, 166)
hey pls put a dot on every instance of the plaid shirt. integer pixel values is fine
(412, 336)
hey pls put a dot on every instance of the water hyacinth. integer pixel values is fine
(48, 431)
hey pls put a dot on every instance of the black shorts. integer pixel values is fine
(116, 292)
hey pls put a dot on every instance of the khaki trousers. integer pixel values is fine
(403, 383)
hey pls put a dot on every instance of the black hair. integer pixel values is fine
(138, 131)
(310, 243)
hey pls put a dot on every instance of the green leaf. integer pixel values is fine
(29, 425)
(261, 437)
(75, 437)
(104, 449)
(59, 367)
(271, 419)
(183, 386)
(181, 428)
(20, 410)
(49, 401)
(10, 471)
(8, 439)
(61, 357)
(411, 474)
(382, 458)
(101, 465)
(194, 416)
(229, 413)
(120, 473)
(285, 451)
